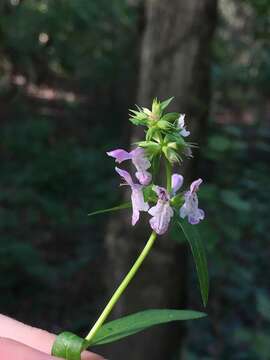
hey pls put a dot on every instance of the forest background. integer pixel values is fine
(69, 72)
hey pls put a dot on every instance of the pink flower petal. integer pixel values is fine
(120, 155)
(125, 175)
(142, 163)
(194, 187)
(177, 182)
(162, 214)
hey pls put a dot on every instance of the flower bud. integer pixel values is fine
(156, 109)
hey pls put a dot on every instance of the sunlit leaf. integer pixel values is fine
(165, 103)
(171, 117)
(132, 324)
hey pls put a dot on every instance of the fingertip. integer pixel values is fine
(87, 355)
(13, 350)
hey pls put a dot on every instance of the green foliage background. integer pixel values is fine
(54, 169)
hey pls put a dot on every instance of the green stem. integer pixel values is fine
(168, 175)
(122, 287)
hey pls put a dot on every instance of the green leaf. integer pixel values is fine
(68, 346)
(136, 121)
(263, 304)
(119, 207)
(199, 256)
(171, 117)
(233, 199)
(219, 143)
(165, 103)
(132, 324)
(151, 147)
(150, 133)
(138, 117)
(149, 194)
(164, 125)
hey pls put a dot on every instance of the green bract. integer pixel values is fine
(163, 135)
(152, 148)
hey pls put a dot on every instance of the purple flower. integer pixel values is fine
(139, 160)
(177, 182)
(162, 211)
(137, 199)
(190, 207)
(142, 163)
(181, 125)
(120, 155)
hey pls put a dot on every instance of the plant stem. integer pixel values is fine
(122, 287)
(168, 175)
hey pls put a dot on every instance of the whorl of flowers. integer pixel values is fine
(164, 141)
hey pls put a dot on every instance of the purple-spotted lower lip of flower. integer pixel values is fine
(181, 125)
(162, 214)
(195, 219)
(137, 198)
(162, 193)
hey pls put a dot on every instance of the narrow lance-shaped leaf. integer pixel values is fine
(165, 103)
(70, 346)
(116, 208)
(132, 324)
(199, 256)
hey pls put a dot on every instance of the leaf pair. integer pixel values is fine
(69, 346)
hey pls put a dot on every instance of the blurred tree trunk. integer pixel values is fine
(175, 61)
